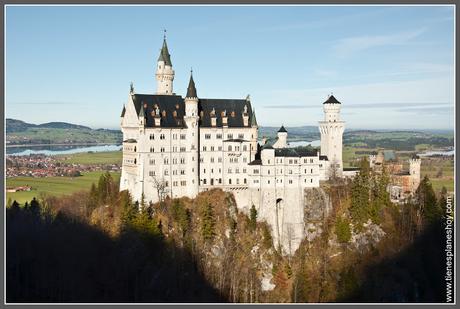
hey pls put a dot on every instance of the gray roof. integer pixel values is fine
(235, 119)
(164, 54)
(253, 118)
(282, 129)
(323, 158)
(174, 108)
(293, 152)
(191, 90)
(332, 100)
(256, 162)
(123, 111)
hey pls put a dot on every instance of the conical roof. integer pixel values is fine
(253, 119)
(332, 100)
(164, 54)
(191, 90)
(282, 129)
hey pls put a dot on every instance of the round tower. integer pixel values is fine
(331, 129)
(164, 72)
(191, 120)
(281, 141)
(414, 171)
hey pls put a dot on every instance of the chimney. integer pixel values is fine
(224, 119)
(245, 116)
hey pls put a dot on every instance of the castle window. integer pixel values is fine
(204, 171)
(229, 147)
(229, 181)
(220, 180)
(268, 181)
(182, 172)
(230, 136)
(237, 170)
(229, 170)
(320, 165)
(182, 160)
(166, 161)
(152, 149)
(204, 148)
(212, 160)
(166, 172)
(151, 173)
(162, 149)
(167, 183)
(237, 148)
(135, 148)
(182, 136)
(245, 181)
(241, 136)
(219, 148)
(219, 160)
(237, 181)
(207, 136)
(268, 161)
(219, 136)
(204, 181)
(256, 171)
(182, 149)
(312, 171)
(290, 181)
(311, 160)
(245, 148)
(311, 180)
(152, 162)
(212, 148)
(305, 171)
(152, 136)
(135, 161)
(290, 172)
(245, 160)
(244, 171)
(268, 172)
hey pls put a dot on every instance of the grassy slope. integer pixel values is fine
(109, 157)
(55, 135)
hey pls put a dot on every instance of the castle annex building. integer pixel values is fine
(179, 146)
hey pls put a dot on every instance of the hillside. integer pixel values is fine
(22, 133)
(206, 250)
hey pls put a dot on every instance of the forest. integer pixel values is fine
(100, 246)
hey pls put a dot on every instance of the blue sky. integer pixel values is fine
(391, 67)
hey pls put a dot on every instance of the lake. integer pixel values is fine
(315, 143)
(51, 150)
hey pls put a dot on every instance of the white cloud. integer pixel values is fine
(352, 45)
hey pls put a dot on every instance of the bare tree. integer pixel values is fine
(160, 186)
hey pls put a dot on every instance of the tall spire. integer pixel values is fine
(253, 118)
(191, 90)
(164, 53)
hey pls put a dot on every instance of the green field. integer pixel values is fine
(109, 157)
(53, 185)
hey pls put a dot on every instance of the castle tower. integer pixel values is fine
(191, 120)
(281, 142)
(164, 73)
(414, 171)
(331, 129)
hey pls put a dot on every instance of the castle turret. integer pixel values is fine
(164, 73)
(191, 120)
(281, 141)
(331, 129)
(414, 171)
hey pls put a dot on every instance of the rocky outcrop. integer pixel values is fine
(317, 206)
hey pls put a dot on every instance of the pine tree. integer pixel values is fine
(360, 203)
(207, 222)
(342, 230)
(253, 218)
(34, 207)
(181, 215)
(426, 200)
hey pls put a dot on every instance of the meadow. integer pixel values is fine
(56, 186)
(109, 157)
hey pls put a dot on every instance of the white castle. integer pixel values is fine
(179, 147)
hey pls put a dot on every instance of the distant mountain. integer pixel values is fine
(15, 125)
(62, 125)
(19, 132)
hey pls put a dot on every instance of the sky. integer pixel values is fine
(392, 67)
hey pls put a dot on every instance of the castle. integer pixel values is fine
(179, 147)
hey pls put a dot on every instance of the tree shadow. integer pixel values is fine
(415, 275)
(62, 259)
